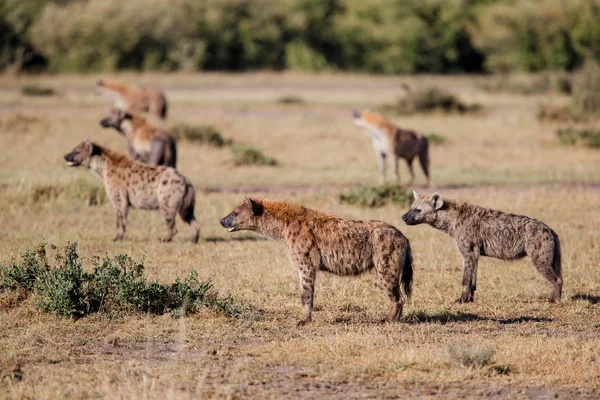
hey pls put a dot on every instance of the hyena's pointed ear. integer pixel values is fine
(256, 207)
(437, 201)
(355, 113)
(88, 144)
(416, 195)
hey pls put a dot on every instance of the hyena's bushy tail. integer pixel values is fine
(557, 259)
(407, 273)
(186, 210)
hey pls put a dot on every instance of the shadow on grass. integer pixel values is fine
(217, 239)
(587, 297)
(444, 317)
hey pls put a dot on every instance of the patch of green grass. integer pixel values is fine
(377, 196)
(428, 100)
(245, 155)
(205, 134)
(291, 100)
(79, 190)
(588, 137)
(436, 138)
(116, 285)
(37, 90)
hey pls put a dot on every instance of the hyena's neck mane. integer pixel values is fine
(115, 87)
(449, 216)
(131, 124)
(281, 220)
(103, 159)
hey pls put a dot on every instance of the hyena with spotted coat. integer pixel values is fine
(480, 231)
(145, 142)
(134, 99)
(130, 183)
(319, 241)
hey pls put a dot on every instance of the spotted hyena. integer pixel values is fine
(130, 183)
(145, 142)
(483, 232)
(389, 141)
(134, 99)
(319, 241)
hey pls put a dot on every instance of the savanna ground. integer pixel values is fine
(501, 157)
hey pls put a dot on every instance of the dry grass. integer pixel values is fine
(503, 158)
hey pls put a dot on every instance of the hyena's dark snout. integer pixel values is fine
(106, 123)
(409, 219)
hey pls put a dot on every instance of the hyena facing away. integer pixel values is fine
(134, 98)
(318, 241)
(131, 183)
(391, 141)
(145, 142)
(483, 232)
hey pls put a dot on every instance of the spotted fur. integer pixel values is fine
(134, 99)
(145, 142)
(129, 183)
(480, 231)
(390, 141)
(319, 241)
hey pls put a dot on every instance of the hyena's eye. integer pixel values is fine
(235, 214)
(418, 210)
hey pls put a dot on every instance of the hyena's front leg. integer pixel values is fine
(121, 207)
(307, 276)
(470, 261)
(381, 157)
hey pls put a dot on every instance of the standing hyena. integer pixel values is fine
(318, 241)
(134, 98)
(145, 142)
(391, 141)
(131, 183)
(482, 232)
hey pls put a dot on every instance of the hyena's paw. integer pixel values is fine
(166, 239)
(303, 322)
(118, 238)
(464, 299)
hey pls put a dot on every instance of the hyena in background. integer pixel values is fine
(134, 99)
(483, 232)
(130, 183)
(318, 241)
(145, 142)
(391, 141)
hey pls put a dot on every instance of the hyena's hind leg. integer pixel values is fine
(543, 247)
(411, 171)
(389, 256)
(186, 211)
(121, 207)
(424, 158)
(168, 210)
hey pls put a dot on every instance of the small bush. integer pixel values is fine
(377, 196)
(37, 90)
(290, 100)
(17, 123)
(469, 355)
(206, 134)
(436, 139)
(116, 285)
(586, 89)
(428, 100)
(245, 155)
(79, 190)
(588, 137)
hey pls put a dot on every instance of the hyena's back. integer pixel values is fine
(350, 247)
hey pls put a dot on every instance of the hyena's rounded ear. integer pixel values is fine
(255, 205)
(88, 144)
(416, 195)
(355, 113)
(437, 201)
(100, 83)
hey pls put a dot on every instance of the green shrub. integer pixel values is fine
(205, 134)
(588, 137)
(116, 285)
(436, 139)
(37, 90)
(245, 155)
(427, 100)
(377, 196)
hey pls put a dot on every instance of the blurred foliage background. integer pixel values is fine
(375, 36)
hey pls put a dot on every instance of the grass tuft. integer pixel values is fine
(245, 155)
(205, 134)
(79, 190)
(377, 196)
(469, 355)
(18, 123)
(588, 137)
(428, 100)
(37, 90)
(290, 100)
(437, 139)
(116, 285)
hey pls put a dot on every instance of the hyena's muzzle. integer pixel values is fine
(106, 123)
(229, 222)
(410, 219)
(71, 159)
